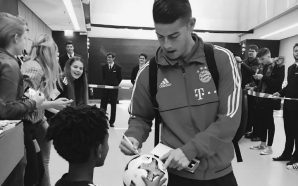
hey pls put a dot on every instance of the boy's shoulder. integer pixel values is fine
(64, 182)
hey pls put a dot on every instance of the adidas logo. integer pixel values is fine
(165, 83)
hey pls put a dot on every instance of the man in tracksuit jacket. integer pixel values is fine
(198, 121)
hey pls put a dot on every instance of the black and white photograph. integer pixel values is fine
(148, 92)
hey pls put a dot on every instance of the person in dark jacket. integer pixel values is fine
(249, 67)
(13, 110)
(290, 110)
(135, 70)
(111, 74)
(270, 82)
(13, 36)
(69, 53)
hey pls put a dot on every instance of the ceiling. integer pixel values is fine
(211, 15)
(55, 15)
(139, 13)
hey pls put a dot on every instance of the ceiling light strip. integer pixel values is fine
(152, 28)
(70, 9)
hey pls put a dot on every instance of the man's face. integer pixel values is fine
(266, 59)
(110, 59)
(174, 37)
(142, 61)
(295, 53)
(69, 48)
(252, 53)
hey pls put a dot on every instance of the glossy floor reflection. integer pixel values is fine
(256, 170)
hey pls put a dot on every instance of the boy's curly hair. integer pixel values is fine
(77, 130)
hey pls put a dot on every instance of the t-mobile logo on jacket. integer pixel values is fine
(199, 93)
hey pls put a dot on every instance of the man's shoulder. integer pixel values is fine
(143, 74)
(117, 65)
(104, 66)
(223, 56)
(221, 51)
(292, 66)
(63, 55)
(136, 67)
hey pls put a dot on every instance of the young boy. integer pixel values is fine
(80, 136)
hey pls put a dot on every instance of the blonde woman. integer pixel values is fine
(42, 72)
(13, 36)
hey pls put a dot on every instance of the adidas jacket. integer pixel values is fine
(196, 118)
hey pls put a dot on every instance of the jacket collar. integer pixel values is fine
(196, 55)
(112, 65)
(8, 54)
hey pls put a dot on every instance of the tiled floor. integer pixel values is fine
(256, 170)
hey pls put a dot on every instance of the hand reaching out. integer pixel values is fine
(126, 148)
(61, 103)
(175, 159)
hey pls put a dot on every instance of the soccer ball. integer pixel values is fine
(147, 166)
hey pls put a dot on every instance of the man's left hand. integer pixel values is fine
(175, 159)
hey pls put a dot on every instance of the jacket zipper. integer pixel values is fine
(187, 97)
(185, 86)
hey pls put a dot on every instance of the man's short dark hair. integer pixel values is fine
(262, 52)
(296, 44)
(77, 130)
(68, 43)
(168, 11)
(111, 53)
(253, 47)
(144, 55)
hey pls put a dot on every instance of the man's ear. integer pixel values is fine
(15, 38)
(98, 151)
(192, 23)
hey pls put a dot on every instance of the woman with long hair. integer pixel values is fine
(42, 72)
(13, 37)
(75, 81)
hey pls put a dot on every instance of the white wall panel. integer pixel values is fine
(36, 25)
(285, 21)
(256, 12)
